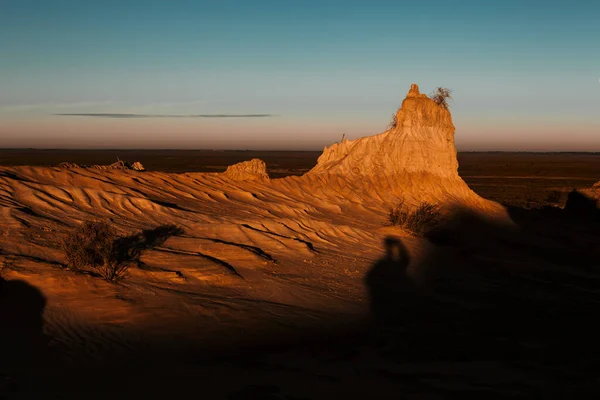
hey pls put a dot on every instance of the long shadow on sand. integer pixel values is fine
(129, 249)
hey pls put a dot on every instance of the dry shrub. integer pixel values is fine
(92, 245)
(420, 221)
(393, 122)
(441, 96)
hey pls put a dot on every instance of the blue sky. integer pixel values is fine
(525, 75)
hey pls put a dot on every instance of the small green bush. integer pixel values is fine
(419, 221)
(93, 245)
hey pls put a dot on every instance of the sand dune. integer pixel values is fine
(256, 259)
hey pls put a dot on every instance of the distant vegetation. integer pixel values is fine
(441, 96)
(419, 221)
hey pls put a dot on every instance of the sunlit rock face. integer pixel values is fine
(254, 169)
(422, 141)
(415, 159)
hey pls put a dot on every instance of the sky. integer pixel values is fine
(287, 74)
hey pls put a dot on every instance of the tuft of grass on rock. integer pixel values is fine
(440, 96)
(420, 221)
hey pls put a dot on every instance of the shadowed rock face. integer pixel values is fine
(254, 169)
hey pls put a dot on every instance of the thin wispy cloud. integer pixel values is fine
(120, 115)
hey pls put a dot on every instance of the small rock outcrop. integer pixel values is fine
(137, 166)
(254, 169)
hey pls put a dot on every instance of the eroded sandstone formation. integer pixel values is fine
(422, 141)
(254, 169)
(416, 159)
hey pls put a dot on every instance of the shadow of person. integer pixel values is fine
(22, 342)
(391, 290)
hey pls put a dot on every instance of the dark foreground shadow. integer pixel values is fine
(22, 342)
(521, 298)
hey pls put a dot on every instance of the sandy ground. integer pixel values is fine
(262, 294)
